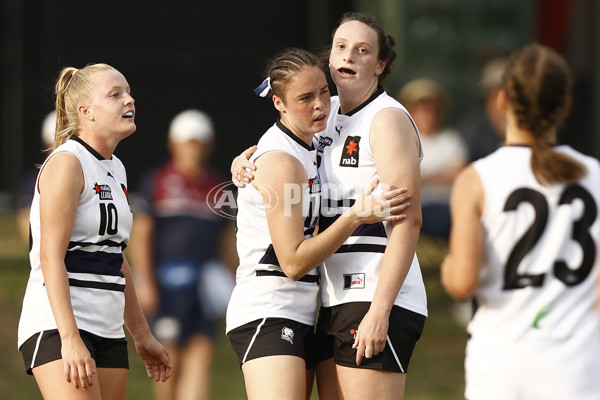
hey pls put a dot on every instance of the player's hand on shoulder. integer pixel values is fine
(386, 204)
(241, 168)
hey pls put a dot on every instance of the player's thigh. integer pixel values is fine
(197, 355)
(113, 383)
(310, 380)
(53, 384)
(374, 384)
(327, 384)
(194, 379)
(275, 377)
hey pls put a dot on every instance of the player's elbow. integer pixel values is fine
(459, 289)
(459, 294)
(294, 271)
(411, 223)
(417, 222)
(414, 220)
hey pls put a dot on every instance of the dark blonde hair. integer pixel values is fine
(285, 64)
(386, 42)
(73, 88)
(538, 85)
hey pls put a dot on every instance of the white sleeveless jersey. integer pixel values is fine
(262, 290)
(94, 255)
(346, 168)
(541, 263)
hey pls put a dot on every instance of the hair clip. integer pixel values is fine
(263, 89)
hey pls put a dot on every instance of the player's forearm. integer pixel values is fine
(312, 252)
(134, 317)
(59, 295)
(397, 260)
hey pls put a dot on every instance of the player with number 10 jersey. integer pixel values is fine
(93, 261)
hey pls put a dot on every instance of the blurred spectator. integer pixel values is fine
(179, 248)
(27, 181)
(445, 152)
(483, 128)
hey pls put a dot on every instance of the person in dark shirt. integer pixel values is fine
(483, 128)
(175, 251)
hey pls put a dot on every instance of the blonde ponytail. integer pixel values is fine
(72, 89)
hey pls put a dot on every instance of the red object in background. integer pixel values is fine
(553, 24)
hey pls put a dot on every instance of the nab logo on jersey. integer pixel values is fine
(350, 152)
(103, 191)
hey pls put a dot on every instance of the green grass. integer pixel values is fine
(436, 370)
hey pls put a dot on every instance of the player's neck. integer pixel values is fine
(518, 136)
(353, 96)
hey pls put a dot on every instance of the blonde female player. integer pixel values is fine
(272, 311)
(80, 290)
(524, 243)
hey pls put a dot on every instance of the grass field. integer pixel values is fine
(436, 370)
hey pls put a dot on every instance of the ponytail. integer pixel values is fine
(72, 89)
(538, 82)
(550, 166)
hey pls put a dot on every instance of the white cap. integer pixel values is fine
(48, 128)
(191, 124)
(491, 74)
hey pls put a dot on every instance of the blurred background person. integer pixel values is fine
(445, 152)
(27, 180)
(525, 245)
(180, 250)
(483, 128)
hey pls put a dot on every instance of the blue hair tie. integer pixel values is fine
(263, 89)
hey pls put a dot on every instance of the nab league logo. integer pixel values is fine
(103, 191)
(350, 152)
(324, 141)
(314, 185)
(354, 281)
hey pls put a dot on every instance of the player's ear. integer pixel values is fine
(380, 67)
(278, 103)
(85, 112)
(501, 100)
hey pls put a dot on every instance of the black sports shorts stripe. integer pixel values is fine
(270, 337)
(45, 346)
(335, 330)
